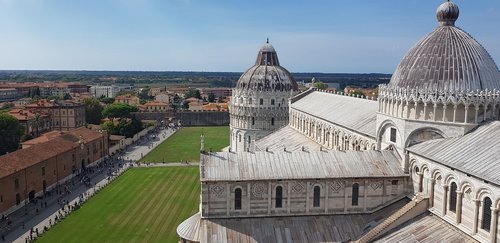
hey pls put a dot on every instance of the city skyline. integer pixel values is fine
(132, 35)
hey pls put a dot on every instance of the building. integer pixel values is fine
(154, 91)
(9, 94)
(65, 114)
(217, 92)
(34, 122)
(128, 99)
(105, 91)
(157, 106)
(260, 100)
(419, 164)
(165, 98)
(28, 173)
(216, 107)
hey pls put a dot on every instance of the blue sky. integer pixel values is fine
(164, 35)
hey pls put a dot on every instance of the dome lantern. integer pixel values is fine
(447, 13)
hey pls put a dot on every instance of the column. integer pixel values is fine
(345, 196)
(425, 111)
(248, 198)
(476, 215)
(288, 197)
(445, 199)
(444, 112)
(365, 195)
(326, 189)
(228, 198)
(476, 115)
(466, 114)
(454, 113)
(493, 226)
(269, 197)
(431, 194)
(459, 207)
(434, 114)
(307, 197)
(420, 181)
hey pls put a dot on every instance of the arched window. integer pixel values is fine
(316, 195)
(355, 194)
(416, 170)
(253, 121)
(486, 222)
(279, 197)
(237, 198)
(250, 101)
(272, 121)
(453, 197)
(261, 101)
(272, 101)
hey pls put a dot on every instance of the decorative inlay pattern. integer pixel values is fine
(376, 185)
(217, 190)
(336, 186)
(257, 190)
(298, 187)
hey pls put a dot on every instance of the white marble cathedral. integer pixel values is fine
(420, 164)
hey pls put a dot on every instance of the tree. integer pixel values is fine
(193, 93)
(93, 110)
(11, 131)
(121, 110)
(185, 105)
(211, 98)
(320, 85)
(125, 127)
(107, 100)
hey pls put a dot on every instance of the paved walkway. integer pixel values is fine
(42, 214)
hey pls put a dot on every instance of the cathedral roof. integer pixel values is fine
(461, 153)
(299, 165)
(356, 114)
(447, 59)
(267, 74)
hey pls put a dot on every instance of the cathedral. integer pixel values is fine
(418, 164)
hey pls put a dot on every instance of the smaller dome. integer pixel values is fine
(267, 47)
(447, 13)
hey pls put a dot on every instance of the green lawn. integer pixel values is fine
(143, 205)
(184, 145)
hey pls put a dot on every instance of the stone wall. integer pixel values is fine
(258, 198)
(435, 180)
(205, 118)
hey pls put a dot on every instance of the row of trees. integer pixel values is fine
(11, 131)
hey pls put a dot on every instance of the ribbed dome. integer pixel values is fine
(267, 74)
(447, 59)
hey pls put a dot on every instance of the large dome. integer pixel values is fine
(267, 74)
(447, 59)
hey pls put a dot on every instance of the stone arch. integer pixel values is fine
(483, 192)
(450, 178)
(383, 126)
(421, 135)
(436, 174)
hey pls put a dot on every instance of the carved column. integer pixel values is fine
(434, 114)
(444, 112)
(445, 199)
(425, 111)
(493, 226)
(431, 194)
(459, 207)
(454, 113)
(365, 195)
(249, 199)
(326, 197)
(466, 114)
(477, 113)
(476, 215)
